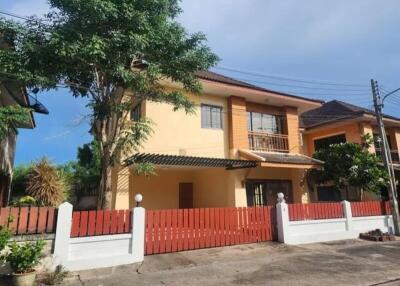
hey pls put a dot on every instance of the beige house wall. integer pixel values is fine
(178, 133)
(212, 187)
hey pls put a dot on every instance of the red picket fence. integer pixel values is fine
(99, 222)
(185, 229)
(373, 208)
(29, 220)
(315, 211)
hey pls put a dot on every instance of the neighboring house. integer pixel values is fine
(339, 122)
(11, 93)
(242, 147)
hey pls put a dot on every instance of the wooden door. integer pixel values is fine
(185, 195)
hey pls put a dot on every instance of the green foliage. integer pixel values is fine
(5, 235)
(10, 117)
(146, 169)
(45, 184)
(25, 256)
(103, 49)
(87, 169)
(19, 180)
(350, 164)
(24, 201)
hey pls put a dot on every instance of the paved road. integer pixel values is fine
(341, 263)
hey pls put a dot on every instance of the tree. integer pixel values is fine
(350, 165)
(10, 117)
(87, 170)
(115, 52)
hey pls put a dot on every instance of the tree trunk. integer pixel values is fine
(107, 131)
(105, 190)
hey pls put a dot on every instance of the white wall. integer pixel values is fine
(312, 231)
(91, 252)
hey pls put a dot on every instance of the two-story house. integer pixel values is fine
(339, 122)
(241, 147)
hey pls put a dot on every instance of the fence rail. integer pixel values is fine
(315, 211)
(373, 208)
(29, 220)
(183, 229)
(99, 222)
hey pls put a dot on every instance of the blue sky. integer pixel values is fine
(339, 41)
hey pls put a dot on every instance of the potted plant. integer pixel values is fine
(22, 259)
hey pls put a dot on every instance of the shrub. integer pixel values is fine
(20, 179)
(45, 183)
(24, 201)
(5, 235)
(24, 257)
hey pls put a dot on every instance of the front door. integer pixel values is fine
(185, 195)
(264, 192)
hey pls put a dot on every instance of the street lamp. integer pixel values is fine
(281, 198)
(138, 199)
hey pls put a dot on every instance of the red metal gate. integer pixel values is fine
(185, 229)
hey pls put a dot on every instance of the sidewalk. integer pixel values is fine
(352, 262)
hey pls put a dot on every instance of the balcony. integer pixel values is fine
(394, 154)
(268, 142)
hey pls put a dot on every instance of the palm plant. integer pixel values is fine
(45, 183)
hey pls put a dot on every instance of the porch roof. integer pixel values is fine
(275, 159)
(179, 160)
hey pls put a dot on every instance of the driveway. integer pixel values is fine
(352, 262)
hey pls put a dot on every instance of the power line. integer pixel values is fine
(299, 86)
(15, 15)
(285, 78)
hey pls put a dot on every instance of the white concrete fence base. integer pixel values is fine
(312, 231)
(91, 252)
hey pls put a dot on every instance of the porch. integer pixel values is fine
(197, 182)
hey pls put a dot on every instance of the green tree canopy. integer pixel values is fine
(350, 165)
(102, 49)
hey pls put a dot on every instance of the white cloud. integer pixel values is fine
(58, 135)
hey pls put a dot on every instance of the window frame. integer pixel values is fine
(137, 107)
(279, 127)
(315, 140)
(209, 113)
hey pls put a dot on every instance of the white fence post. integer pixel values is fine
(63, 233)
(138, 231)
(282, 221)
(348, 215)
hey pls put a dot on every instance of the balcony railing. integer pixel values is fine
(394, 154)
(268, 142)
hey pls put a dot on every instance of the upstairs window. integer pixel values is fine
(211, 116)
(324, 143)
(265, 123)
(135, 113)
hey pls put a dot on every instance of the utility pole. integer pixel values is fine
(386, 155)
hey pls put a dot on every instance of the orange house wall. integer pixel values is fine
(238, 136)
(352, 131)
